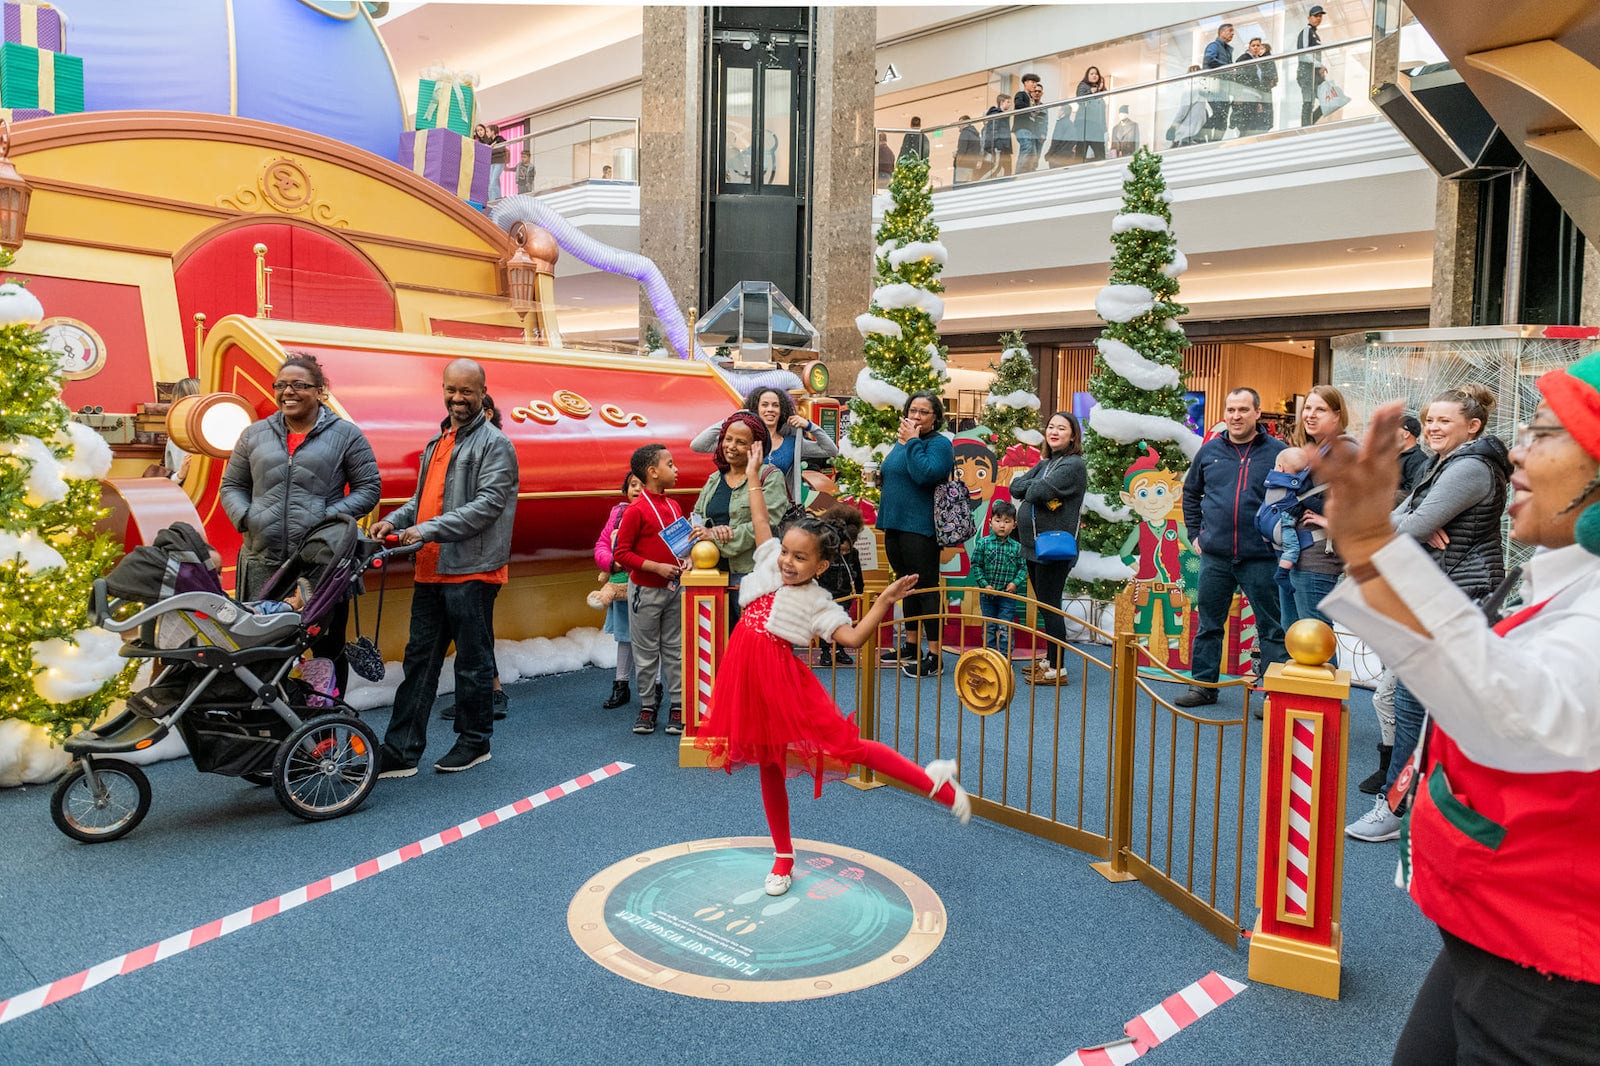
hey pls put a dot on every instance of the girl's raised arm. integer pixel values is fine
(758, 501)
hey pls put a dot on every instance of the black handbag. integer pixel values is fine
(362, 653)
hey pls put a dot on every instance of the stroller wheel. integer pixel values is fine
(326, 768)
(106, 810)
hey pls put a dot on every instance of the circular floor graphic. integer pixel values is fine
(694, 919)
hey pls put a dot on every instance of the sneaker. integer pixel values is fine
(464, 756)
(904, 653)
(842, 658)
(943, 772)
(646, 722)
(1376, 825)
(927, 666)
(674, 722)
(502, 704)
(388, 771)
(1196, 697)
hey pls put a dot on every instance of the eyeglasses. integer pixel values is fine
(1529, 433)
(293, 386)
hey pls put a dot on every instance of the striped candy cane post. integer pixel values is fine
(1161, 1022)
(45, 995)
(1297, 872)
(705, 639)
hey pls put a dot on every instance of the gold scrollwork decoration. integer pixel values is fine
(284, 185)
(984, 681)
(571, 403)
(616, 416)
(537, 410)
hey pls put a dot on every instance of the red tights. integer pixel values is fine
(879, 758)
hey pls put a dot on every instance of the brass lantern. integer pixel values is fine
(15, 192)
(522, 280)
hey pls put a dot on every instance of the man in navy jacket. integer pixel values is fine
(1221, 494)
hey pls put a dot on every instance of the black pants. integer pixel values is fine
(1310, 80)
(912, 553)
(441, 613)
(1049, 581)
(1475, 1007)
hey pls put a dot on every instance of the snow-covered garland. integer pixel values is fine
(1092, 566)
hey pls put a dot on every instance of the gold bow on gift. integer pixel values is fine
(447, 83)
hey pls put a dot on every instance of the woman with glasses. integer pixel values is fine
(1455, 512)
(289, 471)
(1503, 848)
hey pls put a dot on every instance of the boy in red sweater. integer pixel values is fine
(655, 620)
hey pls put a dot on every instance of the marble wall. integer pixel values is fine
(670, 150)
(1455, 249)
(844, 157)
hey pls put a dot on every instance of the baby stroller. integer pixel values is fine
(222, 680)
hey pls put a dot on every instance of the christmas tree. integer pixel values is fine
(1137, 381)
(1012, 413)
(903, 351)
(56, 671)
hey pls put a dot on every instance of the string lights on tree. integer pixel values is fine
(56, 670)
(1011, 414)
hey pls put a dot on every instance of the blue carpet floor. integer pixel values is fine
(464, 954)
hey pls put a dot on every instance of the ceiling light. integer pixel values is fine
(1363, 248)
(1205, 262)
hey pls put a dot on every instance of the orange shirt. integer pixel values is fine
(430, 504)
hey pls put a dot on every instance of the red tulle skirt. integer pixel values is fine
(768, 707)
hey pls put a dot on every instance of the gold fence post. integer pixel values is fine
(1125, 696)
(866, 702)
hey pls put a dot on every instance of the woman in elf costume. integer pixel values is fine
(1502, 846)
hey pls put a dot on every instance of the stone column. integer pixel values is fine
(1589, 309)
(670, 132)
(843, 155)
(1455, 252)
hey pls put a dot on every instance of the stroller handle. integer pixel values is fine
(395, 551)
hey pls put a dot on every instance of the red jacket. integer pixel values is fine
(638, 538)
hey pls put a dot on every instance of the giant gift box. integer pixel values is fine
(446, 102)
(35, 25)
(458, 163)
(38, 78)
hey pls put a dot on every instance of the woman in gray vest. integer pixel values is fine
(1455, 513)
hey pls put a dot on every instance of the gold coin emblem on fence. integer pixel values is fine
(984, 681)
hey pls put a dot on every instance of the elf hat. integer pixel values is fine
(1573, 393)
(1145, 464)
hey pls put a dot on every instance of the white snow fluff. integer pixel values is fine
(1097, 503)
(879, 393)
(1123, 303)
(1179, 264)
(1016, 401)
(26, 755)
(1028, 436)
(1127, 427)
(18, 306)
(862, 455)
(1016, 353)
(91, 455)
(911, 253)
(1136, 220)
(35, 553)
(1173, 324)
(870, 324)
(900, 295)
(936, 361)
(656, 353)
(887, 247)
(1092, 566)
(71, 671)
(517, 659)
(43, 482)
(1141, 372)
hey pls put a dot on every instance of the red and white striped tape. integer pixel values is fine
(1161, 1022)
(1297, 879)
(56, 991)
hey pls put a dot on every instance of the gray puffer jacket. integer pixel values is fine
(480, 500)
(275, 498)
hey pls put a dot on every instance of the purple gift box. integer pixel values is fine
(23, 114)
(35, 25)
(446, 158)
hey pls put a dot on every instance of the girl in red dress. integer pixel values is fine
(769, 710)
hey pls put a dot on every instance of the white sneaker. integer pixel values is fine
(1376, 825)
(943, 772)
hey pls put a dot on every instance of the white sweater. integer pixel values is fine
(799, 612)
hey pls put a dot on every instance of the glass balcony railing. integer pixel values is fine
(591, 149)
(1313, 87)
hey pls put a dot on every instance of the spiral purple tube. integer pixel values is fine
(508, 211)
